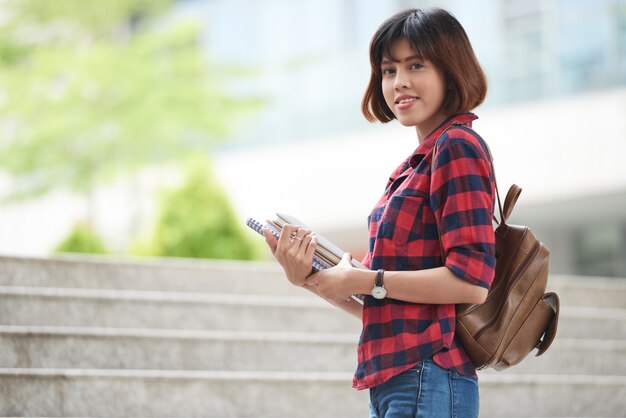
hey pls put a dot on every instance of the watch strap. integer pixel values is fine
(378, 282)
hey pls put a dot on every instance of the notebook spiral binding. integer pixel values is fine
(318, 264)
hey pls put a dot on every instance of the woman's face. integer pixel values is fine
(414, 88)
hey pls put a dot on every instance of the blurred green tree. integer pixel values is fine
(94, 90)
(82, 239)
(88, 95)
(196, 220)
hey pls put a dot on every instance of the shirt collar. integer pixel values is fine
(429, 142)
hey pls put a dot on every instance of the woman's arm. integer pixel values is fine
(348, 304)
(436, 286)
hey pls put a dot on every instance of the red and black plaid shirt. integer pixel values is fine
(458, 197)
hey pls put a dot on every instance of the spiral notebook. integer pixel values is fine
(319, 263)
(326, 255)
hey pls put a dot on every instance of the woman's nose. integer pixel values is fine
(402, 80)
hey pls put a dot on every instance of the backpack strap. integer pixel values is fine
(510, 200)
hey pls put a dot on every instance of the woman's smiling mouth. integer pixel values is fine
(404, 102)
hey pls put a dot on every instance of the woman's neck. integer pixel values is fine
(425, 128)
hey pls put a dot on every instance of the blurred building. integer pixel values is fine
(555, 118)
(309, 60)
(557, 71)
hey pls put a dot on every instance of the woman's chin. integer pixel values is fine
(407, 122)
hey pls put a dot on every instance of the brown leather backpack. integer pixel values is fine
(517, 316)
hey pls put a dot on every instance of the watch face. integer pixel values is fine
(379, 292)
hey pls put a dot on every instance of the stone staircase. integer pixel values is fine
(95, 336)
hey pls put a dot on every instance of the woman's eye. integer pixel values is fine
(388, 71)
(416, 66)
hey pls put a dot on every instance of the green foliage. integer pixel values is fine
(98, 19)
(82, 239)
(196, 220)
(92, 92)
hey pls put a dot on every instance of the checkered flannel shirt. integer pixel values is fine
(458, 197)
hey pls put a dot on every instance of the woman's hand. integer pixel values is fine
(294, 251)
(334, 284)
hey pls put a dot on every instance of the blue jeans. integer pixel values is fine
(426, 390)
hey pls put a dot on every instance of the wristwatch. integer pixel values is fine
(379, 291)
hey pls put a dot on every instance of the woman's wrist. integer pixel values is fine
(362, 281)
(300, 282)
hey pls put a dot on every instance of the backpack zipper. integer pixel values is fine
(518, 273)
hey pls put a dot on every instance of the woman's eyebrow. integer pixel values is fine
(389, 60)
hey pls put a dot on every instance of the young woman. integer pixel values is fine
(431, 240)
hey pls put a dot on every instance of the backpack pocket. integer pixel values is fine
(538, 331)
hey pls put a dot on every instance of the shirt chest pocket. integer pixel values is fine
(407, 218)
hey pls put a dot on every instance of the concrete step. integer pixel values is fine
(162, 393)
(213, 276)
(170, 310)
(174, 310)
(106, 348)
(122, 393)
(100, 336)
(552, 396)
(162, 274)
(589, 291)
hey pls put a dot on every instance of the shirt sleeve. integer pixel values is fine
(462, 198)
